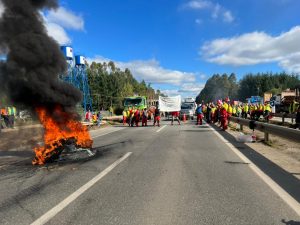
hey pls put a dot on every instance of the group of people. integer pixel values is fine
(7, 119)
(95, 118)
(223, 110)
(133, 116)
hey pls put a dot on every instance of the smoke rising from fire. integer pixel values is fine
(34, 60)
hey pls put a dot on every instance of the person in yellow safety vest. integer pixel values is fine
(260, 110)
(204, 108)
(239, 111)
(293, 107)
(252, 111)
(230, 110)
(225, 105)
(124, 116)
(267, 111)
(234, 110)
(94, 118)
(213, 113)
(245, 110)
(11, 116)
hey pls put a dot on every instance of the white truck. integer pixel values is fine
(188, 107)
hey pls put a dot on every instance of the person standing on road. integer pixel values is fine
(137, 117)
(156, 116)
(124, 116)
(144, 117)
(298, 119)
(175, 115)
(199, 114)
(224, 119)
(99, 118)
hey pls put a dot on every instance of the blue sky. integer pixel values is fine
(178, 44)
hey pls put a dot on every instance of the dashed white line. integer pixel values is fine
(60, 206)
(293, 203)
(161, 128)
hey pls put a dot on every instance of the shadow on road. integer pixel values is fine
(283, 178)
(291, 222)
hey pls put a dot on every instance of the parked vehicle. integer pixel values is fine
(283, 101)
(139, 102)
(188, 110)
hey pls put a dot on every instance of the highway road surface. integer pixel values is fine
(149, 175)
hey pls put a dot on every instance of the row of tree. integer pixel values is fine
(221, 86)
(109, 85)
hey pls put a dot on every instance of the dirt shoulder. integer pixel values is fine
(280, 151)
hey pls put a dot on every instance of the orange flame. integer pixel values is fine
(55, 132)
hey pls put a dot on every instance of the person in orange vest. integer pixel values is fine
(224, 118)
(4, 115)
(156, 116)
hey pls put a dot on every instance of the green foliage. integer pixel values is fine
(260, 83)
(221, 86)
(109, 85)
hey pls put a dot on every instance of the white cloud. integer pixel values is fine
(198, 4)
(216, 10)
(60, 20)
(254, 48)
(227, 17)
(65, 18)
(58, 33)
(171, 92)
(203, 76)
(191, 87)
(185, 90)
(151, 71)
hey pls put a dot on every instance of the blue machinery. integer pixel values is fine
(77, 76)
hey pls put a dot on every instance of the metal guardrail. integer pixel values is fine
(284, 115)
(284, 132)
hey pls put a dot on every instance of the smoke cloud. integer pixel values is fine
(34, 60)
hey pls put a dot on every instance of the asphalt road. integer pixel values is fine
(175, 175)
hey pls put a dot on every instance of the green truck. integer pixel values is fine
(139, 102)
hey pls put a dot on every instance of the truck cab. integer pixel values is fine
(139, 102)
(188, 109)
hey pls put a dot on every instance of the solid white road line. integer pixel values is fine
(293, 203)
(59, 207)
(161, 128)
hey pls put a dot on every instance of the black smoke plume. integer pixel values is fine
(34, 60)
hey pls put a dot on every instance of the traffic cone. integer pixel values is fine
(184, 118)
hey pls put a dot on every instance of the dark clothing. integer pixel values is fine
(208, 114)
(156, 112)
(298, 117)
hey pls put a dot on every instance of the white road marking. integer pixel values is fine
(293, 203)
(59, 207)
(107, 133)
(161, 128)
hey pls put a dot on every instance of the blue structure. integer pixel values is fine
(77, 75)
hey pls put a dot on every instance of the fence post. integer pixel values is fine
(266, 136)
(283, 118)
(241, 127)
